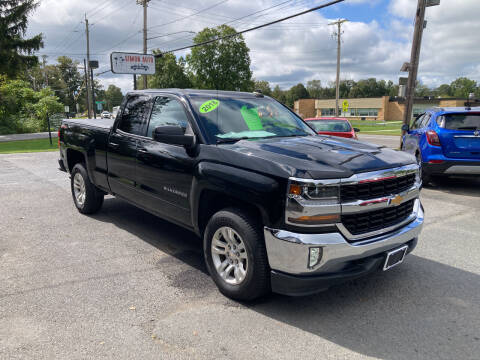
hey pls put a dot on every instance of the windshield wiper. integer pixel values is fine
(233, 140)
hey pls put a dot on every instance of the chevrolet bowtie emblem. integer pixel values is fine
(397, 200)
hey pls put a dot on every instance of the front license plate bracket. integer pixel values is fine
(395, 257)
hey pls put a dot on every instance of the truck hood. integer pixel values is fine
(316, 157)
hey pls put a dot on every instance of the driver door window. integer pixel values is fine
(167, 112)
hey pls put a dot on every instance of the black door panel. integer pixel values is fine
(164, 171)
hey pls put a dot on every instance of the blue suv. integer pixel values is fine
(445, 141)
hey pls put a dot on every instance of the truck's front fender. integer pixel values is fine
(241, 186)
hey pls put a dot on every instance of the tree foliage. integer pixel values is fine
(263, 86)
(170, 73)
(220, 65)
(15, 51)
(113, 96)
(24, 110)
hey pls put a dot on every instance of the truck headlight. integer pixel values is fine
(313, 202)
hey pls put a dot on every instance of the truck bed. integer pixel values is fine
(105, 124)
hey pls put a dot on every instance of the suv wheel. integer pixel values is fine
(87, 198)
(425, 178)
(235, 255)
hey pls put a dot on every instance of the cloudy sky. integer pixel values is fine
(376, 40)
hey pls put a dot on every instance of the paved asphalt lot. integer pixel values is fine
(124, 284)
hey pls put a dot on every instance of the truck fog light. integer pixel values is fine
(314, 256)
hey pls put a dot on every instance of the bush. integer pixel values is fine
(24, 110)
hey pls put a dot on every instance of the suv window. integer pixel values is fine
(133, 116)
(417, 121)
(167, 111)
(425, 121)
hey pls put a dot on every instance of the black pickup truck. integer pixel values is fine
(278, 207)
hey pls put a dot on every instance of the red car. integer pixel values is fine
(333, 126)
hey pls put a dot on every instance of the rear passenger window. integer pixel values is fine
(167, 112)
(417, 121)
(425, 121)
(133, 116)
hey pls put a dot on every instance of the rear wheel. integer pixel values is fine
(235, 255)
(87, 198)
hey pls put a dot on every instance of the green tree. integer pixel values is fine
(422, 90)
(170, 73)
(24, 110)
(222, 64)
(15, 51)
(279, 94)
(71, 78)
(263, 86)
(444, 90)
(113, 96)
(462, 87)
(295, 93)
(314, 88)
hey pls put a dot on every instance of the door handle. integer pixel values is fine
(142, 151)
(114, 145)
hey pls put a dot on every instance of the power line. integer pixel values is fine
(189, 16)
(256, 27)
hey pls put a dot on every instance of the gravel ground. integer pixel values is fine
(123, 284)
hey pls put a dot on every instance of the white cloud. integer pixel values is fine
(295, 51)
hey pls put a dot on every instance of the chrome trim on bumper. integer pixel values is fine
(288, 252)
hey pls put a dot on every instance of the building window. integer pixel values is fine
(363, 112)
(328, 112)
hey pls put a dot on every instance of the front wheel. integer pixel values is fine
(425, 177)
(235, 255)
(87, 198)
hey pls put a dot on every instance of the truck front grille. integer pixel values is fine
(366, 222)
(376, 189)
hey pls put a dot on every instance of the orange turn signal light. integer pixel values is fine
(317, 219)
(295, 189)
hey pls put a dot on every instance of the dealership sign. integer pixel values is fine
(129, 63)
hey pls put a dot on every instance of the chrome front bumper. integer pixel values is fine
(288, 252)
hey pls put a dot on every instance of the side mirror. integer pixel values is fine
(174, 135)
(356, 130)
(405, 127)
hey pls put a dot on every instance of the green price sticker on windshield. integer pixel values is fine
(209, 105)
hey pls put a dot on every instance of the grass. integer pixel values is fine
(26, 146)
(378, 128)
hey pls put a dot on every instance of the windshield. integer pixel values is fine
(461, 121)
(331, 125)
(230, 118)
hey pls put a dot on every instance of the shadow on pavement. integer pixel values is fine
(422, 309)
(469, 186)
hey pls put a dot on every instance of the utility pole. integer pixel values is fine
(86, 87)
(144, 3)
(338, 34)
(412, 66)
(45, 69)
(89, 96)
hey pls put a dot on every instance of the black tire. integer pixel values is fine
(425, 177)
(257, 279)
(93, 197)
